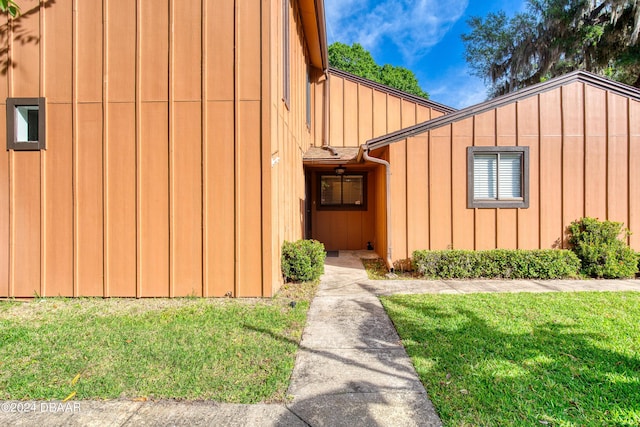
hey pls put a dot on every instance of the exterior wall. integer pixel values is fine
(584, 145)
(290, 135)
(157, 176)
(345, 229)
(361, 110)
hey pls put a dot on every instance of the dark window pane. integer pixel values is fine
(353, 190)
(330, 190)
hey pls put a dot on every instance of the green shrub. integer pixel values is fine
(497, 264)
(600, 247)
(302, 261)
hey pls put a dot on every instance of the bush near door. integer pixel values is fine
(303, 260)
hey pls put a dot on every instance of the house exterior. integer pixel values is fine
(557, 151)
(165, 149)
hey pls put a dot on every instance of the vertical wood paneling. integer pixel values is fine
(573, 172)
(4, 61)
(187, 49)
(595, 152)
(220, 36)
(462, 218)
(617, 192)
(121, 207)
(417, 193)
(422, 114)
(394, 114)
(26, 224)
(440, 189)
(248, 198)
(336, 112)
(187, 190)
(25, 53)
(121, 50)
(528, 231)
(89, 253)
(249, 51)
(379, 113)
(634, 174)
(5, 202)
(154, 54)
(220, 213)
(58, 249)
(365, 113)
(506, 219)
(89, 51)
(551, 196)
(351, 115)
(398, 158)
(154, 200)
(58, 38)
(485, 135)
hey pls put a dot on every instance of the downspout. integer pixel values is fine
(325, 124)
(365, 156)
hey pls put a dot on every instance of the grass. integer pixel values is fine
(239, 351)
(561, 359)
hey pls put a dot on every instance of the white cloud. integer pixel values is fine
(413, 26)
(457, 88)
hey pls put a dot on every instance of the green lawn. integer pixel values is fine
(560, 359)
(225, 350)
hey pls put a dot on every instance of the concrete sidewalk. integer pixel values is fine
(351, 368)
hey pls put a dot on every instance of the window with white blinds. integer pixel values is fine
(498, 177)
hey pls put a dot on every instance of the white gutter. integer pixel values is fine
(365, 156)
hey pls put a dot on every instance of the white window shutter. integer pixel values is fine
(484, 176)
(510, 184)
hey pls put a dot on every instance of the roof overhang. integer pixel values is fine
(318, 156)
(315, 30)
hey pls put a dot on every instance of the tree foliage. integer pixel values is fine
(10, 6)
(357, 60)
(554, 37)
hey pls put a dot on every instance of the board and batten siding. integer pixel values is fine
(360, 110)
(157, 176)
(290, 134)
(584, 145)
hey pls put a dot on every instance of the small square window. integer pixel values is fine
(26, 124)
(343, 192)
(498, 177)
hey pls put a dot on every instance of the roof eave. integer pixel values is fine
(313, 22)
(575, 76)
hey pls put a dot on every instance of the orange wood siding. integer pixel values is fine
(162, 122)
(584, 158)
(291, 137)
(361, 110)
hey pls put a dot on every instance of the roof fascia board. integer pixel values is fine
(313, 21)
(392, 91)
(575, 76)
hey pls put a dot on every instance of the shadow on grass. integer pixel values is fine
(520, 370)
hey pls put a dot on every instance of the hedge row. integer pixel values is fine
(498, 264)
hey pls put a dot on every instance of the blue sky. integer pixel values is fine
(421, 35)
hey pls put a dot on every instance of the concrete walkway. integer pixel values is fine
(351, 368)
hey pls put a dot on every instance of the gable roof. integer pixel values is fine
(391, 91)
(575, 76)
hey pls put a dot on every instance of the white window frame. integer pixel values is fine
(498, 201)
